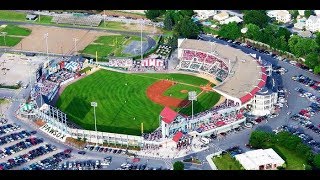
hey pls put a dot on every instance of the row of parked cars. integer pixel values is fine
(307, 82)
(308, 95)
(80, 165)
(21, 159)
(235, 150)
(50, 163)
(25, 144)
(133, 166)
(105, 149)
(9, 128)
(15, 136)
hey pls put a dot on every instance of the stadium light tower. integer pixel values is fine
(75, 44)
(46, 35)
(141, 38)
(95, 104)
(192, 96)
(4, 39)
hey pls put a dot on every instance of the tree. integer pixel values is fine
(188, 13)
(253, 31)
(307, 13)
(186, 28)
(283, 32)
(152, 14)
(259, 138)
(173, 42)
(317, 39)
(312, 60)
(256, 17)
(178, 165)
(316, 69)
(294, 14)
(316, 161)
(168, 22)
(230, 31)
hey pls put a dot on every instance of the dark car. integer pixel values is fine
(82, 152)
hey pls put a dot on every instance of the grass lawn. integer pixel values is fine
(112, 25)
(16, 30)
(294, 161)
(110, 44)
(12, 15)
(3, 101)
(44, 19)
(175, 91)
(10, 41)
(118, 104)
(226, 162)
(209, 30)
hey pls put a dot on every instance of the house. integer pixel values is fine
(313, 23)
(31, 17)
(280, 15)
(299, 25)
(221, 16)
(231, 19)
(260, 159)
(205, 14)
(305, 34)
(301, 12)
(317, 12)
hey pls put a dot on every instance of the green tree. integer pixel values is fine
(316, 69)
(168, 22)
(230, 31)
(253, 31)
(173, 42)
(283, 32)
(317, 39)
(188, 13)
(316, 161)
(259, 138)
(312, 60)
(256, 17)
(292, 42)
(307, 13)
(294, 14)
(178, 165)
(186, 28)
(152, 14)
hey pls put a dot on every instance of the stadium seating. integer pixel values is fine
(77, 20)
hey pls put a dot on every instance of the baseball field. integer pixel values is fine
(126, 100)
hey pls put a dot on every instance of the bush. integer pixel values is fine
(178, 165)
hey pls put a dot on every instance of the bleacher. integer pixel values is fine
(203, 62)
(90, 20)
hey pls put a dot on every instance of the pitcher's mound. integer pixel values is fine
(184, 91)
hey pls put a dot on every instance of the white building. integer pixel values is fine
(299, 25)
(263, 102)
(205, 14)
(231, 19)
(280, 15)
(301, 12)
(260, 159)
(221, 16)
(313, 23)
(317, 12)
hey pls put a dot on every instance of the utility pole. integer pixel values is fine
(141, 39)
(4, 39)
(192, 96)
(75, 44)
(104, 17)
(94, 104)
(46, 35)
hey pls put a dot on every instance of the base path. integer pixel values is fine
(155, 93)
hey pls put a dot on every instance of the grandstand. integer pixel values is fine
(90, 20)
(242, 76)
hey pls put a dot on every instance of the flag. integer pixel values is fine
(96, 56)
(141, 128)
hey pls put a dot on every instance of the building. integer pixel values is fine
(313, 23)
(260, 159)
(301, 12)
(232, 19)
(205, 14)
(317, 12)
(299, 25)
(31, 17)
(281, 15)
(305, 34)
(221, 16)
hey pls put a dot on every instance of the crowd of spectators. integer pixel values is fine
(122, 63)
(61, 76)
(156, 135)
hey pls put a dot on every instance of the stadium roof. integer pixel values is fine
(246, 77)
(177, 136)
(168, 115)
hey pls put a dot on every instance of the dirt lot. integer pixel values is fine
(60, 40)
(17, 68)
(125, 14)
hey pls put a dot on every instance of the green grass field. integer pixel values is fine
(175, 91)
(110, 44)
(118, 104)
(12, 15)
(16, 30)
(226, 162)
(294, 161)
(10, 41)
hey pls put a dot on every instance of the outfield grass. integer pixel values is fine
(175, 91)
(110, 44)
(10, 41)
(118, 104)
(226, 162)
(12, 15)
(16, 30)
(44, 19)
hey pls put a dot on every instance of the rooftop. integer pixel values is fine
(168, 115)
(245, 75)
